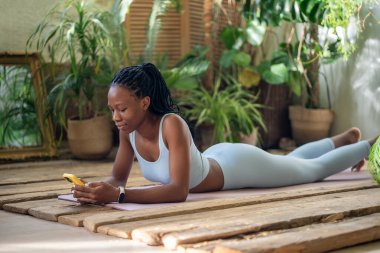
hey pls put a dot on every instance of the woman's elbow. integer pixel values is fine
(183, 197)
(181, 194)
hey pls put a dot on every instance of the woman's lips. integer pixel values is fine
(121, 126)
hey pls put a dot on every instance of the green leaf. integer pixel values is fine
(255, 32)
(227, 58)
(124, 9)
(278, 74)
(264, 66)
(315, 13)
(306, 5)
(295, 84)
(295, 12)
(186, 83)
(231, 37)
(242, 59)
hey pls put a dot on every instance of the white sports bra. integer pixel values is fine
(158, 171)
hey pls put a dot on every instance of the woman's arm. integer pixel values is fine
(123, 161)
(177, 138)
(108, 191)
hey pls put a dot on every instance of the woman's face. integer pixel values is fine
(128, 111)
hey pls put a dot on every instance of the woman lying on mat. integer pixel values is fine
(151, 129)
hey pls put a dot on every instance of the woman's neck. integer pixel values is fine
(149, 127)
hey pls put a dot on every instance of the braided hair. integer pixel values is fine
(146, 80)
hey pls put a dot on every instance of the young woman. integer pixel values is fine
(151, 130)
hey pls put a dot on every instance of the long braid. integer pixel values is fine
(146, 80)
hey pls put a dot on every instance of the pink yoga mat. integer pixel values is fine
(336, 179)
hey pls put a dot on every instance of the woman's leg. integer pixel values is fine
(341, 158)
(248, 166)
(317, 148)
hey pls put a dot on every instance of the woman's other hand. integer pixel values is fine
(357, 167)
(96, 193)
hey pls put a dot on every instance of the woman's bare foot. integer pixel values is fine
(350, 136)
(361, 164)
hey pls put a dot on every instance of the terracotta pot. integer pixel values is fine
(310, 124)
(90, 138)
(249, 139)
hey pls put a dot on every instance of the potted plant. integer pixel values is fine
(321, 32)
(77, 38)
(224, 113)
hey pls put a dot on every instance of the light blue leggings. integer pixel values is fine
(245, 165)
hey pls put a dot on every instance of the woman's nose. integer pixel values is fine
(116, 116)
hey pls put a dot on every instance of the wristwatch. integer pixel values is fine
(121, 194)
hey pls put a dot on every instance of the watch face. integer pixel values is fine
(121, 197)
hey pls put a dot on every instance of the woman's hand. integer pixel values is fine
(96, 192)
(357, 167)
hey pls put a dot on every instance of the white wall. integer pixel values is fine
(18, 19)
(355, 84)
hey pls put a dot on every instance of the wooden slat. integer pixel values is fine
(39, 174)
(23, 207)
(76, 220)
(124, 230)
(35, 164)
(184, 26)
(93, 222)
(249, 219)
(37, 187)
(31, 196)
(196, 21)
(140, 37)
(51, 213)
(202, 247)
(310, 239)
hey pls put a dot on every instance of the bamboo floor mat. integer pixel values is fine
(342, 211)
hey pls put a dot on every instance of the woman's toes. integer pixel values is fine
(354, 135)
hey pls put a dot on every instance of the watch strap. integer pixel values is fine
(121, 194)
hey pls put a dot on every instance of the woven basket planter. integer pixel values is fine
(310, 124)
(90, 138)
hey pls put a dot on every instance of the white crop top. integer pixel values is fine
(158, 171)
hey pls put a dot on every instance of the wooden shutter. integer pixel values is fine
(196, 20)
(179, 33)
(169, 37)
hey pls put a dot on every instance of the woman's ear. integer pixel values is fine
(145, 102)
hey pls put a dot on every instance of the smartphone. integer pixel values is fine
(73, 179)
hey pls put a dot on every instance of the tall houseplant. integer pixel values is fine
(76, 37)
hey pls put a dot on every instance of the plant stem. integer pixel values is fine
(314, 70)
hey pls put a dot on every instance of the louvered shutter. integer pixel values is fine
(179, 32)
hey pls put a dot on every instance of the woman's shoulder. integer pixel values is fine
(173, 120)
(174, 124)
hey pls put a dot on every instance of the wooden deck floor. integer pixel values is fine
(334, 214)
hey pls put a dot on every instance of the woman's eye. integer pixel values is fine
(123, 109)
